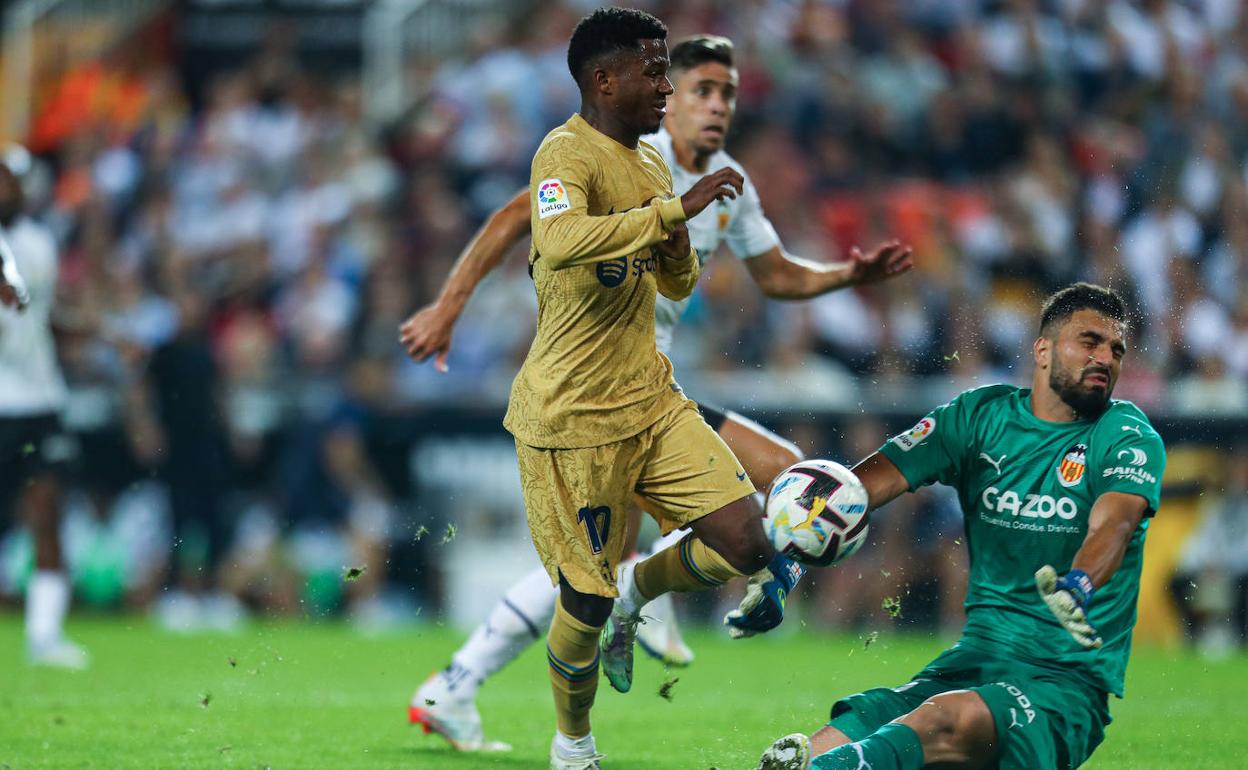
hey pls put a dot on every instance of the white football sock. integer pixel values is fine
(575, 747)
(47, 601)
(631, 601)
(520, 618)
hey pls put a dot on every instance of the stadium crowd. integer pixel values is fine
(235, 267)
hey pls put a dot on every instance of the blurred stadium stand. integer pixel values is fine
(251, 196)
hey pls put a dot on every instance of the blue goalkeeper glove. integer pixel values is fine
(1068, 597)
(762, 609)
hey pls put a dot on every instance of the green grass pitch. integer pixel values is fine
(322, 696)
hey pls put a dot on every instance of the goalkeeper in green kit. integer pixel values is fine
(1057, 484)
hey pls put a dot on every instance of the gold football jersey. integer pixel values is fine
(593, 375)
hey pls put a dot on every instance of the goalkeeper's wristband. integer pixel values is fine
(787, 571)
(1079, 585)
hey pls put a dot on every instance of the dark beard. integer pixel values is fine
(1085, 402)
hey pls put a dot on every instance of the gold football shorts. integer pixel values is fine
(577, 500)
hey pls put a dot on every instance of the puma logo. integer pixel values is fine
(994, 463)
(1133, 429)
(741, 476)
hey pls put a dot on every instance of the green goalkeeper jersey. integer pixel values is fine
(1027, 487)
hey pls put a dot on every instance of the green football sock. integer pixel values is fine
(893, 747)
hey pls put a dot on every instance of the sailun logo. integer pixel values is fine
(612, 273)
(1132, 468)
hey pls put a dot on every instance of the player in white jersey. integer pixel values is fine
(32, 392)
(699, 114)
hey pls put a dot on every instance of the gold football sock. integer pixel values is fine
(572, 652)
(690, 565)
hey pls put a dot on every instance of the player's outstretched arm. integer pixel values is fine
(427, 332)
(783, 276)
(762, 607)
(1113, 519)
(883, 480)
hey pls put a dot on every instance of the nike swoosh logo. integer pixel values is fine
(741, 476)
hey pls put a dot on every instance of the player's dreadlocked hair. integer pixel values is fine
(608, 30)
(1081, 296)
(699, 49)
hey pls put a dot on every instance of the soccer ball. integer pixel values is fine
(816, 513)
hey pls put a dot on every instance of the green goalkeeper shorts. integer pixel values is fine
(1045, 718)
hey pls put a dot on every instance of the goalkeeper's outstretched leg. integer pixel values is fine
(953, 729)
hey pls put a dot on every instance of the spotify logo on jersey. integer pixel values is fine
(612, 273)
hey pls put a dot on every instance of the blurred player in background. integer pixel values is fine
(32, 447)
(1058, 477)
(691, 141)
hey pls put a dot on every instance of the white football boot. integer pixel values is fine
(61, 653)
(438, 709)
(792, 752)
(659, 636)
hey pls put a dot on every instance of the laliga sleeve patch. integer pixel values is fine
(552, 198)
(913, 437)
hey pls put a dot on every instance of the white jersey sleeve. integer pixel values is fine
(749, 232)
(739, 222)
(8, 268)
(30, 375)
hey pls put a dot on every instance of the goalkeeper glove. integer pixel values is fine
(1068, 597)
(762, 608)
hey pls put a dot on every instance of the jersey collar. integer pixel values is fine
(582, 127)
(1024, 398)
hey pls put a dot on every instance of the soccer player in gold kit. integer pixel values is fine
(699, 117)
(595, 412)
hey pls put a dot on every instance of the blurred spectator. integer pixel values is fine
(185, 391)
(1035, 168)
(234, 268)
(1211, 584)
